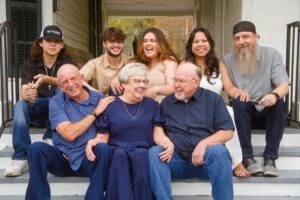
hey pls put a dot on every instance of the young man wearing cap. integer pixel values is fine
(260, 72)
(101, 72)
(38, 84)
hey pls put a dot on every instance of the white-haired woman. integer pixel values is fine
(131, 125)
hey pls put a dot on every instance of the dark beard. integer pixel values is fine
(113, 55)
(246, 59)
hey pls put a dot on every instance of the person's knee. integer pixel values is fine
(101, 149)
(218, 152)
(120, 155)
(155, 151)
(20, 105)
(236, 103)
(36, 148)
(279, 106)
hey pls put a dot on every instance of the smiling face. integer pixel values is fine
(51, 47)
(186, 81)
(150, 46)
(113, 48)
(135, 87)
(200, 45)
(70, 81)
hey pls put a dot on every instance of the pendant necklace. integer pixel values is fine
(46, 69)
(137, 112)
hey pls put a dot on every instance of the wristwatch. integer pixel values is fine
(94, 114)
(276, 95)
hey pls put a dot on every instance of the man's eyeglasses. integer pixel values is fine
(140, 81)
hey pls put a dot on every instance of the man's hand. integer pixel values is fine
(198, 155)
(103, 104)
(40, 79)
(89, 150)
(31, 92)
(116, 87)
(167, 154)
(268, 100)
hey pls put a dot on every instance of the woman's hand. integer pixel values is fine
(89, 150)
(244, 96)
(167, 154)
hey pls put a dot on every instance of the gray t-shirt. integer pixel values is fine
(270, 74)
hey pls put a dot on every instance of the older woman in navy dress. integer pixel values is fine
(130, 125)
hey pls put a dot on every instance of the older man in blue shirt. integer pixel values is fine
(198, 123)
(72, 115)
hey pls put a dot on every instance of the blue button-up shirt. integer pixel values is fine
(62, 108)
(187, 123)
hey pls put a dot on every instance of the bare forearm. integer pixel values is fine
(282, 89)
(70, 131)
(101, 138)
(51, 80)
(219, 137)
(160, 137)
(165, 90)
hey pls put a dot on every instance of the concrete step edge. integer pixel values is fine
(178, 188)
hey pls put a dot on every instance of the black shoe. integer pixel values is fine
(270, 167)
(252, 167)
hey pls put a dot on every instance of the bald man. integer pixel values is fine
(198, 124)
(72, 115)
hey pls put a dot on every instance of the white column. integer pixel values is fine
(47, 12)
(2, 11)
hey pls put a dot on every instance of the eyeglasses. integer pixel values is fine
(140, 81)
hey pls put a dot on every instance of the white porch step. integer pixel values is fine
(287, 184)
(291, 137)
(289, 158)
(189, 197)
(284, 187)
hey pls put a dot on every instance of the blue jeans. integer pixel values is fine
(24, 115)
(216, 168)
(270, 118)
(44, 158)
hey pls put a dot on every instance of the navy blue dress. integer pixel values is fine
(131, 135)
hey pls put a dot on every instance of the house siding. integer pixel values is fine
(271, 18)
(72, 17)
(232, 14)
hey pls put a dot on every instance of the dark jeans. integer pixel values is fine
(24, 115)
(216, 168)
(44, 158)
(272, 119)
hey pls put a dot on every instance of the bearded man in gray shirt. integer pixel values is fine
(258, 71)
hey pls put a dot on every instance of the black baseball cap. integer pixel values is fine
(52, 32)
(243, 26)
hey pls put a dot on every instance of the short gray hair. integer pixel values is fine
(132, 69)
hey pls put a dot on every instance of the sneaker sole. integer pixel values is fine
(257, 172)
(271, 174)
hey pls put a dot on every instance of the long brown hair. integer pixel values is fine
(211, 60)
(164, 50)
(36, 52)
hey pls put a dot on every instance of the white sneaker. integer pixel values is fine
(16, 168)
(48, 141)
